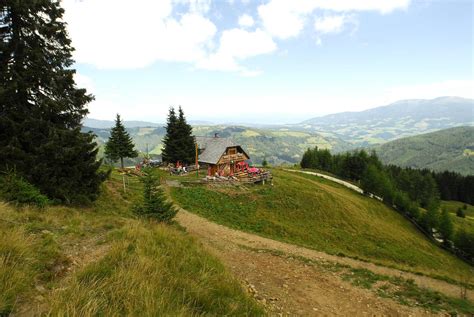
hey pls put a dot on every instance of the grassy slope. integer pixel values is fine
(320, 214)
(466, 223)
(143, 268)
(442, 150)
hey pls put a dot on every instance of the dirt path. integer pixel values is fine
(335, 180)
(290, 286)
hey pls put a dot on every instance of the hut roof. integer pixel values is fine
(213, 148)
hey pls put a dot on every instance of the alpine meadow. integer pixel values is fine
(236, 158)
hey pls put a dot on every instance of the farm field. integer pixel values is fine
(319, 214)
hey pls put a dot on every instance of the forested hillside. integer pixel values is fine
(450, 149)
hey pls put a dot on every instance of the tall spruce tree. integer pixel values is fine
(179, 143)
(169, 151)
(187, 142)
(120, 144)
(41, 108)
(446, 228)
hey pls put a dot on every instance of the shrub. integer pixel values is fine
(464, 241)
(154, 204)
(14, 188)
(460, 213)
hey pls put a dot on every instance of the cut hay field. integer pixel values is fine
(102, 261)
(308, 211)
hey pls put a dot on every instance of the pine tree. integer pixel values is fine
(446, 226)
(264, 162)
(155, 204)
(430, 219)
(179, 143)
(41, 108)
(120, 144)
(187, 142)
(464, 240)
(169, 153)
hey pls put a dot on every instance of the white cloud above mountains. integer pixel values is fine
(236, 45)
(116, 35)
(113, 34)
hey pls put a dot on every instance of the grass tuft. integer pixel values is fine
(152, 270)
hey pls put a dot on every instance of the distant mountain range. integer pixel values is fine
(450, 149)
(339, 132)
(107, 124)
(399, 119)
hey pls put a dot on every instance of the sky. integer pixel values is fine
(267, 61)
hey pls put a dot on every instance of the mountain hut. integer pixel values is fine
(222, 156)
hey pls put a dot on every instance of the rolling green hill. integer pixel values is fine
(319, 214)
(400, 119)
(278, 145)
(450, 149)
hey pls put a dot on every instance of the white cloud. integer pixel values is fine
(115, 34)
(246, 20)
(330, 24)
(285, 19)
(83, 81)
(111, 34)
(235, 45)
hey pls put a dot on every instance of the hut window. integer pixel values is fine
(232, 151)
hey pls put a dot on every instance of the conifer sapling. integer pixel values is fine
(120, 144)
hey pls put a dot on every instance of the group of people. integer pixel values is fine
(179, 169)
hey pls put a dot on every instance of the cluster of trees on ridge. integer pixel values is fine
(405, 188)
(179, 142)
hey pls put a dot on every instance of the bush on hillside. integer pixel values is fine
(14, 188)
(460, 213)
(154, 204)
(464, 241)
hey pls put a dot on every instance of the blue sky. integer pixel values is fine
(270, 61)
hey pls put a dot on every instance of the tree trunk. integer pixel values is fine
(121, 162)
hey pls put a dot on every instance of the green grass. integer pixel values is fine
(406, 292)
(153, 271)
(133, 267)
(319, 214)
(466, 223)
(452, 206)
